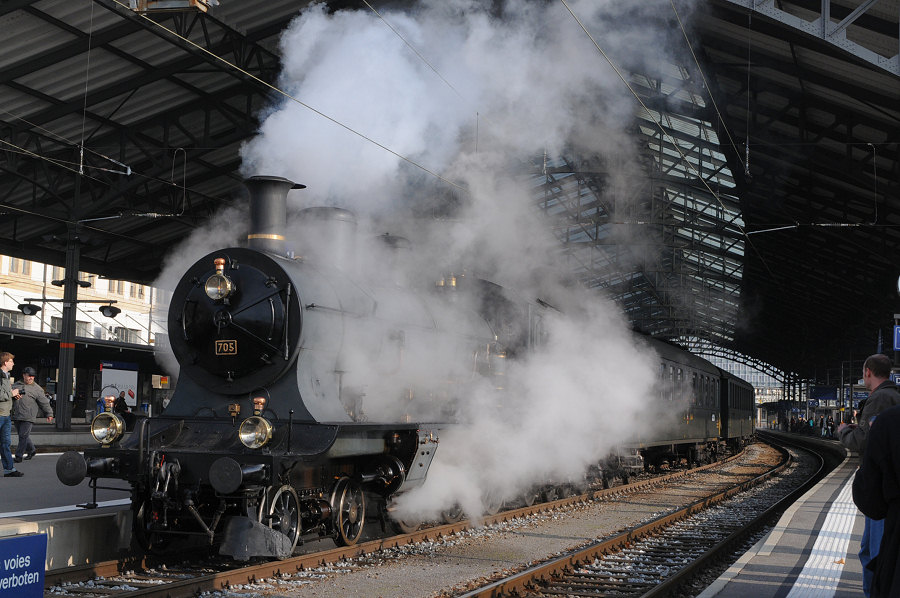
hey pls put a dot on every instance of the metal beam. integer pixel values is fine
(825, 30)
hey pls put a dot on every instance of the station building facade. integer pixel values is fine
(128, 340)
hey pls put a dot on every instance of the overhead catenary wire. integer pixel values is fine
(721, 119)
(478, 116)
(747, 139)
(662, 130)
(87, 78)
(414, 50)
(875, 183)
(295, 99)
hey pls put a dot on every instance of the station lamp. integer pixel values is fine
(29, 309)
(85, 284)
(110, 311)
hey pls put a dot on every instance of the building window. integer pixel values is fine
(127, 335)
(12, 319)
(56, 273)
(111, 286)
(83, 329)
(17, 266)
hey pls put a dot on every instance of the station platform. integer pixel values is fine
(38, 502)
(810, 553)
(47, 438)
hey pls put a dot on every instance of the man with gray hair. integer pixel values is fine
(883, 394)
(32, 400)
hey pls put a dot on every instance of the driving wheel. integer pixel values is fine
(349, 506)
(281, 512)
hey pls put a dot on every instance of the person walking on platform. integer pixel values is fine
(120, 406)
(32, 398)
(883, 394)
(876, 491)
(7, 395)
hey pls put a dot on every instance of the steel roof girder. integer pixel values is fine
(823, 29)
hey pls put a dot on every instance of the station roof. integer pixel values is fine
(782, 236)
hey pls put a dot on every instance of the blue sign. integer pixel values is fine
(823, 393)
(896, 338)
(895, 378)
(813, 402)
(118, 365)
(22, 563)
(857, 394)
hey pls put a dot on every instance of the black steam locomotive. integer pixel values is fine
(302, 391)
(306, 388)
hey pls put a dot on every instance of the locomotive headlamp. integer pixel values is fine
(255, 432)
(218, 286)
(107, 427)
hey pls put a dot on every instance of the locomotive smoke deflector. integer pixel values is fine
(268, 212)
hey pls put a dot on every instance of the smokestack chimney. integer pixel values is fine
(268, 212)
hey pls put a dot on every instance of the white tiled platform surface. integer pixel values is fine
(810, 553)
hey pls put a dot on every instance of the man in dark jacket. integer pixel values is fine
(31, 400)
(876, 491)
(7, 395)
(883, 394)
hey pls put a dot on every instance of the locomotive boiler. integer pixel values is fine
(305, 391)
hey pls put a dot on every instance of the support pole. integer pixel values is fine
(65, 391)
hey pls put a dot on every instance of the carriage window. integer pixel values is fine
(671, 386)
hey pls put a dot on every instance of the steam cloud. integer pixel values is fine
(508, 83)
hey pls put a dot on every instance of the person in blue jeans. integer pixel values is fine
(876, 490)
(7, 395)
(883, 394)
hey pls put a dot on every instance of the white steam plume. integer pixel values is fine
(525, 81)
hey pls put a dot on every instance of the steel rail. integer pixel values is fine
(525, 581)
(254, 573)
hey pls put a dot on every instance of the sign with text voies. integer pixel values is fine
(22, 562)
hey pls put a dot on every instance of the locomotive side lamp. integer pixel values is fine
(234, 409)
(259, 404)
(107, 427)
(255, 432)
(218, 286)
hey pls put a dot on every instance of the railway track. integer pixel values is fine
(148, 579)
(659, 558)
